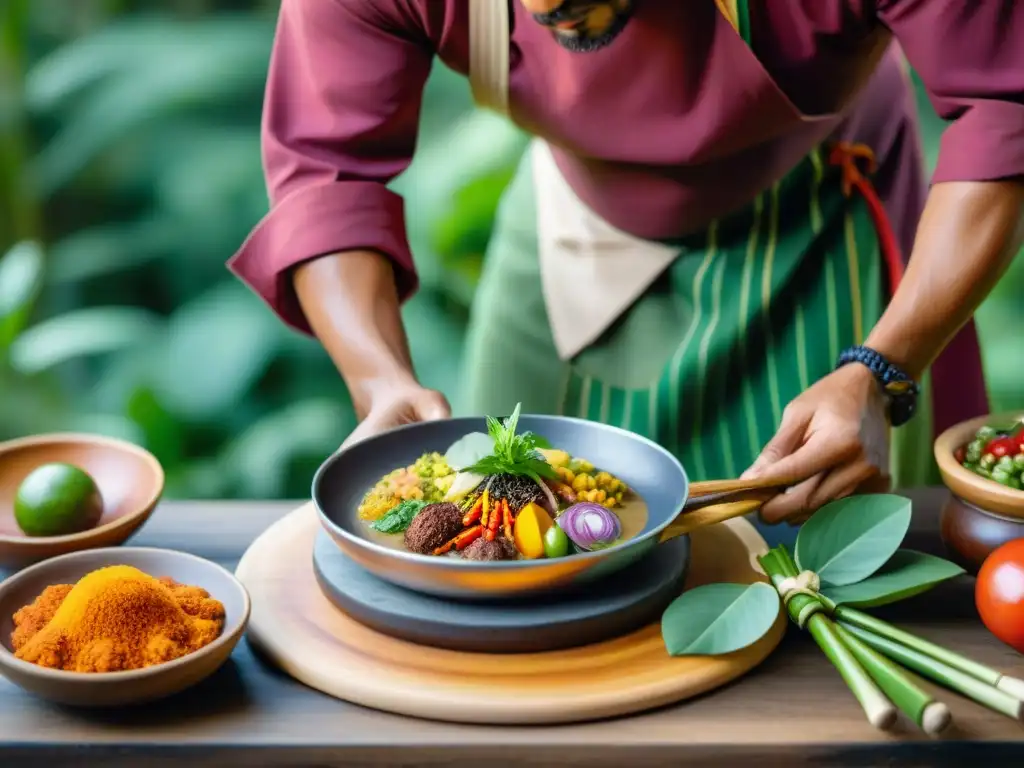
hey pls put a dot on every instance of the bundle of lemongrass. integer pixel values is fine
(867, 653)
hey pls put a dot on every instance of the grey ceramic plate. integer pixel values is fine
(609, 608)
(135, 686)
(642, 464)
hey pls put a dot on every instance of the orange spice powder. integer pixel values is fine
(116, 618)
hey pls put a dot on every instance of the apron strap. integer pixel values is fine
(737, 12)
(488, 53)
(846, 155)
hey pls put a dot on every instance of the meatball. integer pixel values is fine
(434, 526)
(488, 551)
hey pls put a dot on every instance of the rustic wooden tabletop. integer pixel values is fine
(793, 710)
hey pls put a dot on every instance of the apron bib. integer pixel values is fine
(697, 344)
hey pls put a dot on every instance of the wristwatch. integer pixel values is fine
(900, 390)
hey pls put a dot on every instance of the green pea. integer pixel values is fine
(1001, 477)
(1014, 483)
(983, 472)
(987, 461)
(1005, 462)
(976, 446)
(1018, 461)
(986, 433)
(556, 543)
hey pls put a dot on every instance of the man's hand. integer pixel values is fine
(397, 405)
(834, 438)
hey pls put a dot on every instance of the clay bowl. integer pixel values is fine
(980, 515)
(106, 689)
(130, 480)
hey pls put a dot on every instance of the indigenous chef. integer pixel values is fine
(721, 237)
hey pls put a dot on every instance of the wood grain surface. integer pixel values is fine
(792, 710)
(294, 624)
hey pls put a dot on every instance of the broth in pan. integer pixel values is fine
(501, 496)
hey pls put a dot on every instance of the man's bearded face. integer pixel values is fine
(582, 25)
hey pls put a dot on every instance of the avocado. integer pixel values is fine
(57, 499)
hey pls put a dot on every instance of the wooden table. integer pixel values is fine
(792, 711)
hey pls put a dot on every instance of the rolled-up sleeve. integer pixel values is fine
(340, 117)
(970, 57)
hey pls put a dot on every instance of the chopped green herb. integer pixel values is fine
(397, 519)
(514, 454)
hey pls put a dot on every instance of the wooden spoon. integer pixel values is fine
(716, 501)
(709, 487)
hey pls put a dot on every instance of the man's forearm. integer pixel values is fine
(352, 306)
(969, 234)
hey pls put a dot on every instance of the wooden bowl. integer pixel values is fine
(105, 689)
(130, 480)
(980, 514)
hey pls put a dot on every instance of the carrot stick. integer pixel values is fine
(485, 508)
(508, 519)
(466, 538)
(474, 514)
(461, 541)
(493, 520)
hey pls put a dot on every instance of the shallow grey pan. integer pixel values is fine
(342, 481)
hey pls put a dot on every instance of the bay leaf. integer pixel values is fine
(469, 449)
(848, 540)
(719, 618)
(908, 573)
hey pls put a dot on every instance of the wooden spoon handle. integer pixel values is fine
(734, 486)
(689, 521)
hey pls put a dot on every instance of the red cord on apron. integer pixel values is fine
(846, 155)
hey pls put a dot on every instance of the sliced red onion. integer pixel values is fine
(590, 525)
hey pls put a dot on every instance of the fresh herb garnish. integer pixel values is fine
(397, 519)
(514, 454)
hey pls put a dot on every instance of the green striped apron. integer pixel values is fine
(748, 315)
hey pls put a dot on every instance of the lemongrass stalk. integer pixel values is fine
(921, 707)
(1006, 683)
(940, 672)
(879, 711)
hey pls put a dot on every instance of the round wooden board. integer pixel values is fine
(297, 628)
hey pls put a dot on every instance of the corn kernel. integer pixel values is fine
(591, 482)
(610, 502)
(600, 495)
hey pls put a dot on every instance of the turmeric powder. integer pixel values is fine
(116, 618)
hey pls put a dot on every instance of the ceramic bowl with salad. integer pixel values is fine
(982, 465)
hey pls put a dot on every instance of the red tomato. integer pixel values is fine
(999, 593)
(1004, 446)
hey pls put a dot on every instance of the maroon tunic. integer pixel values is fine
(672, 125)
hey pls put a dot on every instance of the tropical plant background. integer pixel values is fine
(129, 173)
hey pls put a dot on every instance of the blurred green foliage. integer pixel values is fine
(129, 172)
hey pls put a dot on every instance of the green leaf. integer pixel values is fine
(848, 540)
(534, 440)
(399, 518)
(719, 618)
(908, 573)
(190, 65)
(107, 249)
(80, 333)
(225, 341)
(260, 458)
(21, 273)
(469, 449)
